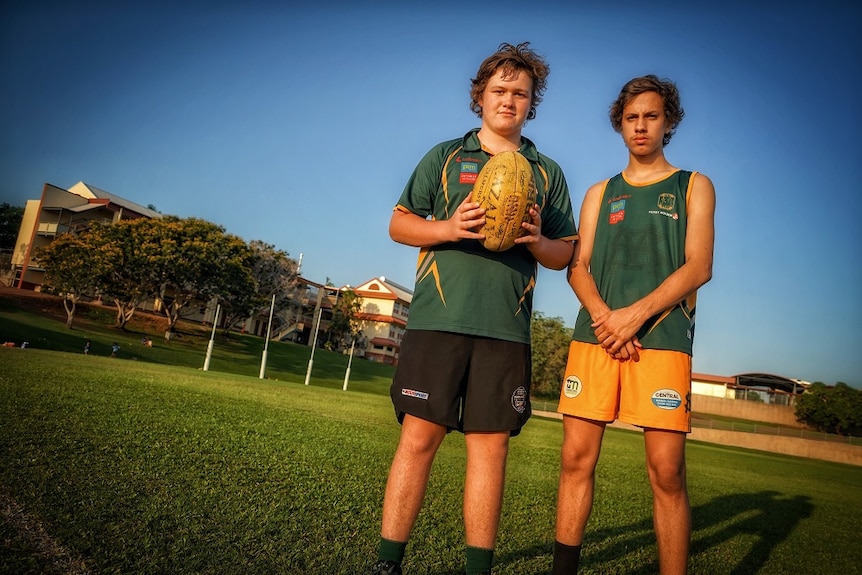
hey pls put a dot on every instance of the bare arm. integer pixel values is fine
(413, 230)
(615, 328)
(580, 278)
(579, 275)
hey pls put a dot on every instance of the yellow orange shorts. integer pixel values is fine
(654, 392)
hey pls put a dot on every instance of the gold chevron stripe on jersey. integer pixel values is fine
(444, 180)
(426, 266)
(527, 290)
(688, 302)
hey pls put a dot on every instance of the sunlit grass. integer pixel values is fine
(141, 468)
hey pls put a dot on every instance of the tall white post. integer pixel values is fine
(349, 361)
(266, 342)
(313, 345)
(212, 340)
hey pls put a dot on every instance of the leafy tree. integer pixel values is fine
(191, 261)
(121, 264)
(70, 270)
(271, 272)
(550, 340)
(10, 223)
(345, 326)
(835, 409)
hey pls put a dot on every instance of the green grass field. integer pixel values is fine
(141, 467)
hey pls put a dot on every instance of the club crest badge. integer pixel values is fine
(666, 202)
(519, 399)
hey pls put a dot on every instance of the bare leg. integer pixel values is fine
(665, 451)
(582, 441)
(408, 476)
(483, 488)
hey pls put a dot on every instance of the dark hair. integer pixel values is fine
(511, 58)
(666, 89)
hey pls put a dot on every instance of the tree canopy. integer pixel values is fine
(69, 270)
(182, 264)
(271, 272)
(10, 222)
(550, 343)
(835, 409)
(345, 326)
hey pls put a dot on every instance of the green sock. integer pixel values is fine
(479, 560)
(391, 550)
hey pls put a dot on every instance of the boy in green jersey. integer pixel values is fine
(465, 357)
(646, 244)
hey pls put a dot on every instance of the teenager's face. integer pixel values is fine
(506, 102)
(644, 124)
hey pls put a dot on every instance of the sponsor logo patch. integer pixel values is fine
(666, 399)
(469, 173)
(572, 387)
(519, 399)
(414, 393)
(673, 216)
(618, 212)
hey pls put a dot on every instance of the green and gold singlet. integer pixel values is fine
(640, 241)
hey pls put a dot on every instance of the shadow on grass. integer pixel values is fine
(40, 337)
(767, 516)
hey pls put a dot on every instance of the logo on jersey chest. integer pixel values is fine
(469, 173)
(666, 206)
(618, 212)
(666, 202)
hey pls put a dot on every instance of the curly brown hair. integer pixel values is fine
(666, 89)
(511, 58)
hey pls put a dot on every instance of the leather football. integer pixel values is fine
(506, 189)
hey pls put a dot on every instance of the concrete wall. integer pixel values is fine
(811, 448)
(743, 409)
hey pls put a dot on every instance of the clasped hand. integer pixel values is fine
(616, 331)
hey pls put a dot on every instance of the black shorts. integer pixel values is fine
(463, 382)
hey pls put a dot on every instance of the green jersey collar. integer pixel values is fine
(528, 148)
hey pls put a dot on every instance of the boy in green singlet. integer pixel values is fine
(645, 247)
(465, 357)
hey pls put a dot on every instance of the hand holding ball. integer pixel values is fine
(506, 190)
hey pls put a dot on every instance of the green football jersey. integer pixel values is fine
(460, 286)
(640, 241)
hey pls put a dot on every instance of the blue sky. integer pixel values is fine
(299, 126)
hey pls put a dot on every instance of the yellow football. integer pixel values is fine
(506, 189)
